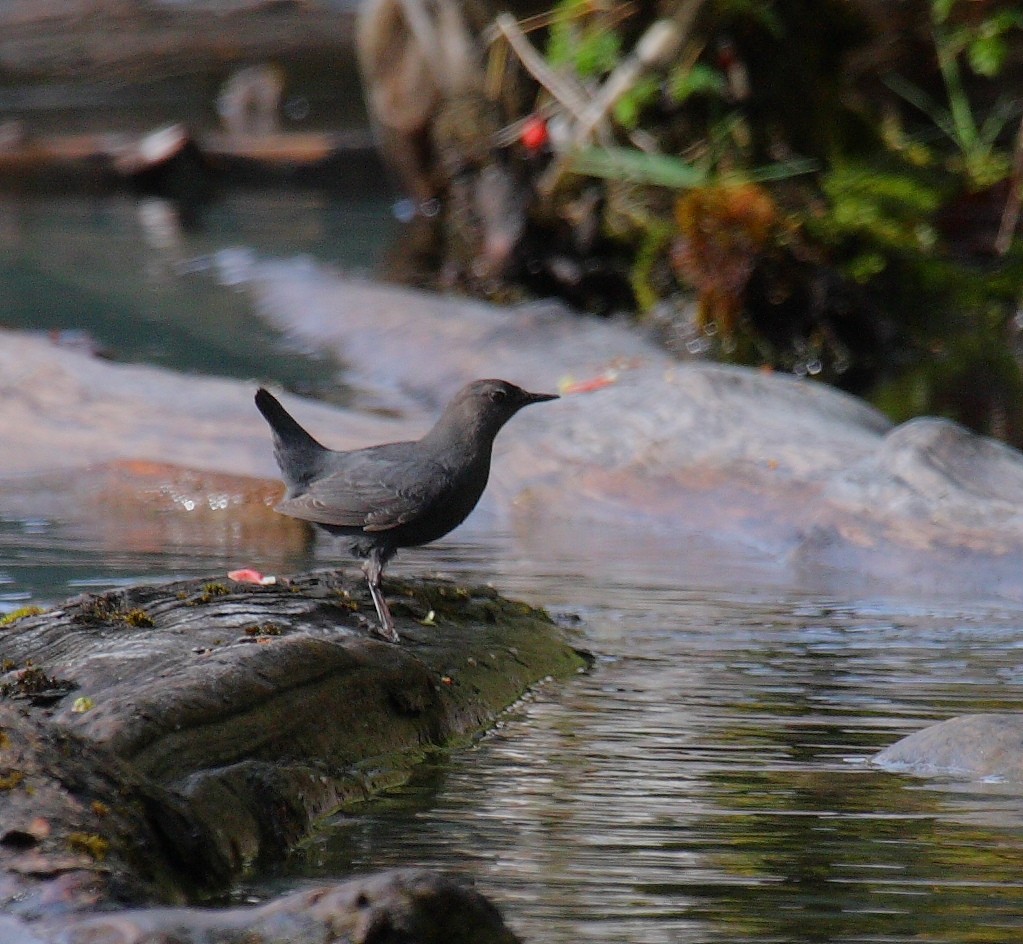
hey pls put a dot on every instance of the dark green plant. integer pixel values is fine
(984, 47)
(581, 41)
(584, 40)
(871, 213)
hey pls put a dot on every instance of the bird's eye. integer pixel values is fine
(497, 395)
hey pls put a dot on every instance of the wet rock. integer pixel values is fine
(968, 747)
(454, 340)
(797, 470)
(933, 507)
(415, 906)
(158, 741)
(62, 409)
(812, 480)
(941, 476)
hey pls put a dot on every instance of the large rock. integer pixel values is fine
(62, 409)
(969, 747)
(812, 480)
(798, 471)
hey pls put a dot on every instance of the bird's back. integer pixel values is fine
(399, 493)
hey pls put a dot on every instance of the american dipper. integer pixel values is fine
(399, 494)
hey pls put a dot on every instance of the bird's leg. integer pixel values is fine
(373, 568)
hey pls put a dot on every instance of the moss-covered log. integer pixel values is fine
(155, 742)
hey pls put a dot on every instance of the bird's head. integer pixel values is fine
(482, 407)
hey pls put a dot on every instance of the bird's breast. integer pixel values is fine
(460, 497)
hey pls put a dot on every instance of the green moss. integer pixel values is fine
(886, 208)
(265, 629)
(89, 843)
(210, 591)
(20, 613)
(109, 609)
(454, 605)
(447, 601)
(137, 617)
(11, 779)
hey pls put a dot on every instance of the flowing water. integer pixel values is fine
(708, 779)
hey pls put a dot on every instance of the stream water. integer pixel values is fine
(707, 780)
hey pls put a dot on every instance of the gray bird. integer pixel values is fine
(401, 494)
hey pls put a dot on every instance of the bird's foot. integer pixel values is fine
(387, 632)
(386, 628)
(372, 569)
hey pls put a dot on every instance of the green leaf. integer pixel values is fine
(1002, 22)
(866, 266)
(987, 55)
(699, 80)
(663, 170)
(940, 9)
(994, 124)
(627, 164)
(629, 107)
(940, 116)
(576, 41)
(598, 52)
(782, 170)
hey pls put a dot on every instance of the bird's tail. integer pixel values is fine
(298, 454)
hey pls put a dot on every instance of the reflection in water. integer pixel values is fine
(147, 290)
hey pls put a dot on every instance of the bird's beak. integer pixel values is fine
(539, 397)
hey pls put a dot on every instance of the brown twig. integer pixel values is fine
(567, 91)
(1014, 201)
(655, 49)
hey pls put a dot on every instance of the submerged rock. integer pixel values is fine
(969, 747)
(137, 506)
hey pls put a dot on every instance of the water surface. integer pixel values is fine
(709, 779)
(125, 276)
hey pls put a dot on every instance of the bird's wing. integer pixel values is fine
(372, 492)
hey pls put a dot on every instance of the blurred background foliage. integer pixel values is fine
(835, 181)
(824, 187)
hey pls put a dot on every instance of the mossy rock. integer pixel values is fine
(228, 721)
